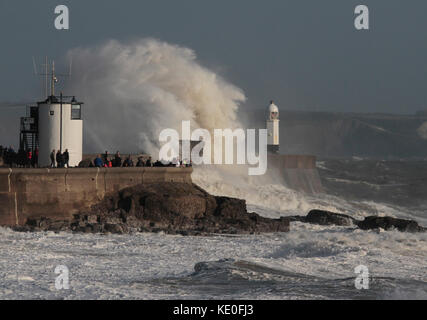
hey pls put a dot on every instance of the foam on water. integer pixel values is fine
(309, 262)
(271, 198)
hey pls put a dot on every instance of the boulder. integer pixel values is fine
(230, 208)
(326, 218)
(113, 228)
(322, 217)
(92, 218)
(44, 224)
(389, 223)
(175, 208)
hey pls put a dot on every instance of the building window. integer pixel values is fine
(76, 112)
(52, 112)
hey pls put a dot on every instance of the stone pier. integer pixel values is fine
(60, 193)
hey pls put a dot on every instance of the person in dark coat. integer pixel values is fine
(52, 159)
(105, 157)
(148, 163)
(59, 160)
(66, 158)
(35, 163)
(117, 160)
(128, 162)
(140, 162)
(158, 163)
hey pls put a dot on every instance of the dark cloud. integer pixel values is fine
(305, 55)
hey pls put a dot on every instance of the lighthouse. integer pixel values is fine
(273, 128)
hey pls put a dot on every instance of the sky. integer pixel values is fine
(305, 55)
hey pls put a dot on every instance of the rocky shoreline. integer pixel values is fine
(174, 208)
(327, 218)
(186, 209)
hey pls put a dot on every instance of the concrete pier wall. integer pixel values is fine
(60, 193)
(298, 171)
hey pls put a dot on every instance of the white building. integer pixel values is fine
(60, 127)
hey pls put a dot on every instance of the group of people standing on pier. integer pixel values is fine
(59, 160)
(20, 159)
(105, 161)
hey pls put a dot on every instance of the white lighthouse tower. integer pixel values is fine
(273, 128)
(60, 126)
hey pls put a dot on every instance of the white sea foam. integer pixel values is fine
(310, 261)
(307, 262)
(269, 197)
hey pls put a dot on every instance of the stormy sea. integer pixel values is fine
(309, 262)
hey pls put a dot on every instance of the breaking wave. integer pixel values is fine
(132, 91)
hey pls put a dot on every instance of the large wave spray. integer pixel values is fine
(134, 90)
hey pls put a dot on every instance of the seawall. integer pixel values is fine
(60, 193)
(298, 171)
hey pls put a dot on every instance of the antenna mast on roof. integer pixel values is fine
(52, 75)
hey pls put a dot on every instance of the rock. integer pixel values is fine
(24, 228)
(326, 218)
(182, 208)
(86, 229)
(230, 208)
(173, 208)
(97, 228)
(186, 209)
(191, 206)
(92, 218)
(112, 220)
(43, 224)
(133, 222)
(113, 228)
(58, 226)
(32, 222)
(389, 223)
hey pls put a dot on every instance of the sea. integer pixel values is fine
(309, 262)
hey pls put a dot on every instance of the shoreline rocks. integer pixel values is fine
(327, 218)
(389, 223)
(174, 208)
(186, 209)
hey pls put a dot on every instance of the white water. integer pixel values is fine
(270, 197)
(134, 90)
(308, 262)
(152, 266)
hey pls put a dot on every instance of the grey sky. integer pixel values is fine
(306, 55)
